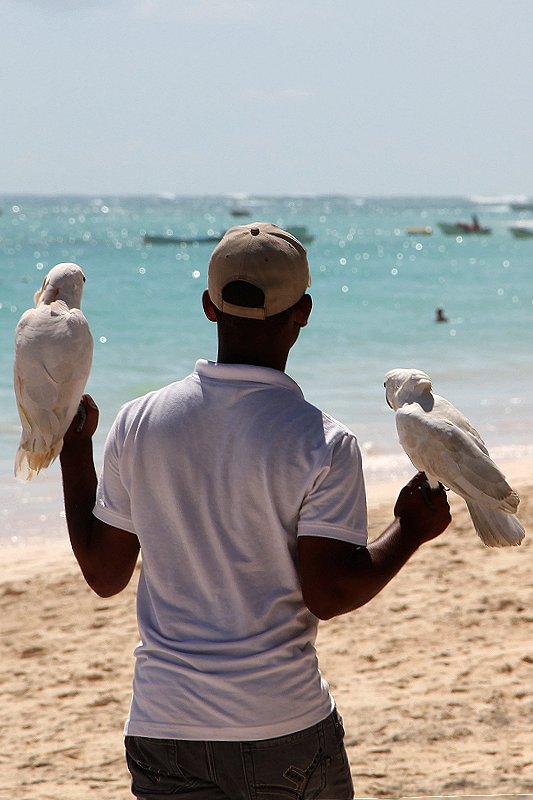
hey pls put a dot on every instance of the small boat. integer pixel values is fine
(157, 239)
(425, 230)
(522, 229)
(299, 231)
(240, 212)
(458, 228)
(525, 206)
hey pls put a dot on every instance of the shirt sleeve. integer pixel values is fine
(112, 496)
(335, 507)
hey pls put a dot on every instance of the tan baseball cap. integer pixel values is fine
(266, 256)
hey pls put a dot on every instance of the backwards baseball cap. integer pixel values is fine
(265, 256)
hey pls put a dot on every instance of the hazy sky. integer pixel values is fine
(359, 97)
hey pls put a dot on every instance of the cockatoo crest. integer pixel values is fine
(441, 442)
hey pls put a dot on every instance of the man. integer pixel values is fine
(248, 505)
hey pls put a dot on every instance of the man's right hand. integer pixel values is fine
(423, 512)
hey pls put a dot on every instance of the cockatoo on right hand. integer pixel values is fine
(53, 356)
(441, 442)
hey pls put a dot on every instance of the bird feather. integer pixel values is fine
(441, 441)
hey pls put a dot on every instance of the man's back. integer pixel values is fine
(219, 470)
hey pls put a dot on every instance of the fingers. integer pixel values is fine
(85, 422)
(86, 398)
(429, 493)
(420, 483)
(416, 481)
(422, 509)
(414, 489)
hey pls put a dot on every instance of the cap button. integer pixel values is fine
(254, 231)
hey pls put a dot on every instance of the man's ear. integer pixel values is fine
(209, 308)
(302, 310)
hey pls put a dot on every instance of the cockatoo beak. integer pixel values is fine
(37, 295)
(46, 294)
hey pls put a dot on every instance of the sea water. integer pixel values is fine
(375, 289)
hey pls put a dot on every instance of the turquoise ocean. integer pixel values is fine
(375, 288)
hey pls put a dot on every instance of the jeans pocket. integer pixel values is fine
(292, 767)
(153, 768)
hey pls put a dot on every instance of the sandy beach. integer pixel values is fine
(433, 677)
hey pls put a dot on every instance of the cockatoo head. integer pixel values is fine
(63, 282)
(405, 386)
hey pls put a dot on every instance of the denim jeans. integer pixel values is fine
(308, 764)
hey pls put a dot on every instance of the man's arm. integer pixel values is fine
(106, 555)
(338, 577)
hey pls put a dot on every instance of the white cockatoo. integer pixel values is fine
(53, 357)
(441, 442)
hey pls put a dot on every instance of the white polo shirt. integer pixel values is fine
(217, 475)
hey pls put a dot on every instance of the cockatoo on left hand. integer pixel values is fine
(441, 442)
(53, 357)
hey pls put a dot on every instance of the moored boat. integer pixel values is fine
(150, 238)
(299, 231)
(525, 206)
(425, 230)
(459, 228)
(522, 229)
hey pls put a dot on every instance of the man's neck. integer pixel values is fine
(273, 361)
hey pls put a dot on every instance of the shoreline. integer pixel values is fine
(47, 545)
(32, 511)
(432, 677)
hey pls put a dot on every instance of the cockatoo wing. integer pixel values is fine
(459, 460)
(53, 356)
(442, 408)
(455, 457)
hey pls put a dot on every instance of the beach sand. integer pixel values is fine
(433, 678)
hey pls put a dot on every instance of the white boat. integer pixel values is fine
(522, 228)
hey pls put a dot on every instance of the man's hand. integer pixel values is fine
(84, 424)
(423, 512)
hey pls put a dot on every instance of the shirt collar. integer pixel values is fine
(247, 372)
